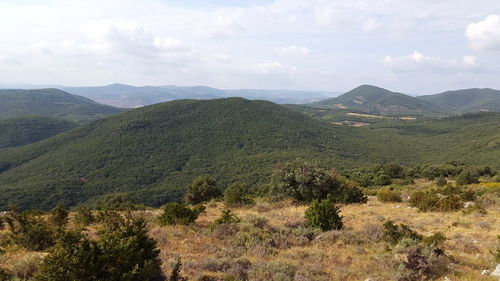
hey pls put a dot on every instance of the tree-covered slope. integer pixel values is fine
(154, 152)
(468, 100)
(379, 101)
(26, 130)
(51, 103)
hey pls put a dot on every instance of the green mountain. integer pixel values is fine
(26, 130)
(152, 153)
(378, 101)
(469, 100)
(51, 103)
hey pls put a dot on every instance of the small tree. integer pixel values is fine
(29, 231)
(83, 216)
(237, 194)
(467, 177)
(122, 252)
(203, 188)
(58, 216)
(324, 215)
(175, 213)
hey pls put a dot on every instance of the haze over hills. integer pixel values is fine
(467, 100)
(51, 103)
(25, 130)
(378, 101)
(121, 95)
(153, 152)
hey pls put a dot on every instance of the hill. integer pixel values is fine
(51, 103)
(153, 152)
(26, 130)
(378, 101)
(132, 97)
(468, 100)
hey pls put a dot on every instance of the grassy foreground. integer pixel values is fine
(272, 243)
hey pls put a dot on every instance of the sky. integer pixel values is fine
(415, 47)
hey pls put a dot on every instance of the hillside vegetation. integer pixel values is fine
(26, 130)
(467, 100)
(51, 103)
(378, 101)
(152, 153)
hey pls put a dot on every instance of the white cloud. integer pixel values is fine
(416, 62)
(292, 50)
(469, 60)
(485, 34)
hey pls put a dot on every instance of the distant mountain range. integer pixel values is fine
(51, 103)
(378, 101)
(121, 95)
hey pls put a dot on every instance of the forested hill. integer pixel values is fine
(25, 130)
(51, 103)
(152, 153)
(378, 101)
(467, 100)
(155, 151)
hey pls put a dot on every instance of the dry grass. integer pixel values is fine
(350, 254)
(354, 253)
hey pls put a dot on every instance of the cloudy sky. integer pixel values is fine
(417, 47)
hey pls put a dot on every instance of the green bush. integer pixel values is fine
(175, 213)
(227, 217)
(447, 199)
(30, 231)
(203, 188)
(393, 233)
(237, 194)
(303, 182)
(114, 202)
(387, 195)
(467, 177)
(441, 181)
(84, 216)
(58, 216)
(323, 215)
(122, 252)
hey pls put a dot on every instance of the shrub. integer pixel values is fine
(441, 181)
(5, 275)
(83, 216)
(237, 194)
(227, 217)
(323, 215)
(58, 216)
(175, 213)
(122, 252)
(393, 233)
(450, 198)
(176, 272)
(303, 182)
(114, 202)
(30, 231)
(387, 195)
(422, 263)
(273, 271)
(467, 177)
(203, 188)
